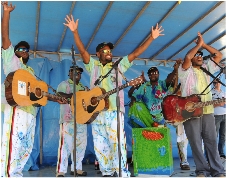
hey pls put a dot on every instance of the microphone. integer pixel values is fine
(209, 56)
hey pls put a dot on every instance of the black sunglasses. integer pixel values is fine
(199, 54)
(22, 49)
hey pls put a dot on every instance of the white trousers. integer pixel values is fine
(66, 146)
(104, 130)
(182, 144)
(17, 141)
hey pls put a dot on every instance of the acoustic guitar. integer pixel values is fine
(23, 89)
(178, 109)
(90, 103)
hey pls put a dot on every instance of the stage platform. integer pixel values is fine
(49, 171)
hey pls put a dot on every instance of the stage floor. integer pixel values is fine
(49, 171)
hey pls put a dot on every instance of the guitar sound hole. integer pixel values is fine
(94, 100)
(189, 106)
(38, 92)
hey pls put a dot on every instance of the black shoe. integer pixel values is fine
(223, 156)
(107, 176)
(99, 172)
(131, 164)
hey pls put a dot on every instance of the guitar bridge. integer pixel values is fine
(84, 105)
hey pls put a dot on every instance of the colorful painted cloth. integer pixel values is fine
(95, 68)
(104, 131)
(66, 132)
(194, 81)
(17, 134)
(12, 63)
(66, 145)
(152, 98)
(65, 109)
(18, 125)
(104, 128)
(182, 144)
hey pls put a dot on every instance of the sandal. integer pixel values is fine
(79, 173)
(184, 167)
(60, 174)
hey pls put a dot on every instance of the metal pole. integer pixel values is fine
(118, 122)
(41, 135)
(74, 105)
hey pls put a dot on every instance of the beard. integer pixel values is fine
(25, 60)
(153, 79)
(109, 60)
(105, 61)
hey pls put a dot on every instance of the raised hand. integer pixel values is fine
(7, 7)
(199, 41)
(155, 33)
(70, 23)
(177, 64)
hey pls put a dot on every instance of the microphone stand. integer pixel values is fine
(98, 81)
(221, 71)
(74, 105)
(100, 78)
(118, 120)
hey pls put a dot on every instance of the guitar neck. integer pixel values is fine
(202, 104)
(52, 96)
(112, 92)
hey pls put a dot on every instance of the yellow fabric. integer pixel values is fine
(202, 84)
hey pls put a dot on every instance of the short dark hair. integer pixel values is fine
(152, 69)
(22, 43)
(101, 45)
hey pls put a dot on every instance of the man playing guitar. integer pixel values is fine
(104, 128)
(66, 131)
(194, 81)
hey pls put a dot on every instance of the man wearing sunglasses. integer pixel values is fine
(66, 132)
(104, 128)
(220, 116)
(19, 122)
(148, 97)
(194, 81)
